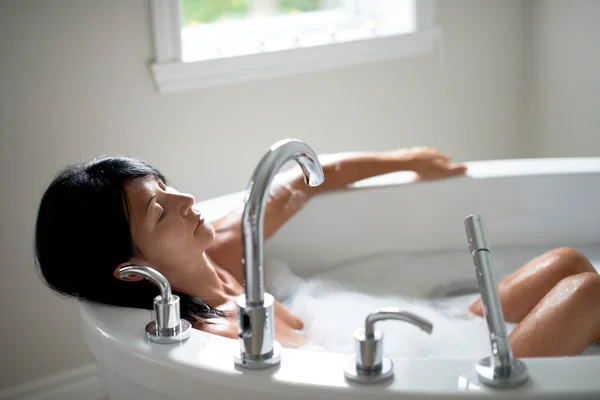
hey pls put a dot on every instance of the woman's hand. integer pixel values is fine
(428, 163)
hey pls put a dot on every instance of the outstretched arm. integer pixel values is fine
(289, 193)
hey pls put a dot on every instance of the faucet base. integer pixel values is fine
(354, 374)
(170, 336)
(268, 361)
(256, 333)
(515, 375)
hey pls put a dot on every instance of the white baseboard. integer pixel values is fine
(81, 383)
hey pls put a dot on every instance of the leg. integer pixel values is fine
(522, 290)
(564, 323)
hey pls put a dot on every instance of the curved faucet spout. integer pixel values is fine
(255, 201)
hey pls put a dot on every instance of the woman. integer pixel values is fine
(98, 216)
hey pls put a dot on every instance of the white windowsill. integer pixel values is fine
(183, 76)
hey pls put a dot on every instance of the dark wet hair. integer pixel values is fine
(82, 234)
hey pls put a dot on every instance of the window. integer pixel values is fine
(202, 43)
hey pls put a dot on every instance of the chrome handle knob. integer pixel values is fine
(167, 326)
(368, 364)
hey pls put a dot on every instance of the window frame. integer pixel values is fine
(171, 74)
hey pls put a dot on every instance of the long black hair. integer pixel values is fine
(82, 234)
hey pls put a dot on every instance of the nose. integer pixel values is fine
(186, 202)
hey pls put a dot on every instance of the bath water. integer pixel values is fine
(333, 303)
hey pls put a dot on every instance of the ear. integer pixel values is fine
(132, 278)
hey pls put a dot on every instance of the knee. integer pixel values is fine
(570, 261)
(584, 287)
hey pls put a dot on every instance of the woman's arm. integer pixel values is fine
(289, 193)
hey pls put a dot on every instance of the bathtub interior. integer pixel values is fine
(545, 202)
(550, 210)
(437, 286)
(404, 245)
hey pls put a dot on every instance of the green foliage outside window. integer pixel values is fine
(206, 11)
(286, 6)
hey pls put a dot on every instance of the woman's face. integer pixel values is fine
(167, 232)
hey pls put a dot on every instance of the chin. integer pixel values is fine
(206, 231)
(211, 230)
(204, 236)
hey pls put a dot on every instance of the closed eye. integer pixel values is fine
(163, 214)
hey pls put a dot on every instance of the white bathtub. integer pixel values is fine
(537, 202)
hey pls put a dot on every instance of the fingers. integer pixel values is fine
(445, 157)
(443, 171)
(442, 162)
(454, 170)
(458, 169)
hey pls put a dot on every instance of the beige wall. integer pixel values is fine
(565, 84)
(74, 82)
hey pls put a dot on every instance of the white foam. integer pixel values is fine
(332, 308)
(332, 314)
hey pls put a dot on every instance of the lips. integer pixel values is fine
(200, 221)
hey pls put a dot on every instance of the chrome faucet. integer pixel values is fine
(256, 324)
(368, 364)
(167, 327)
(501, 369)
